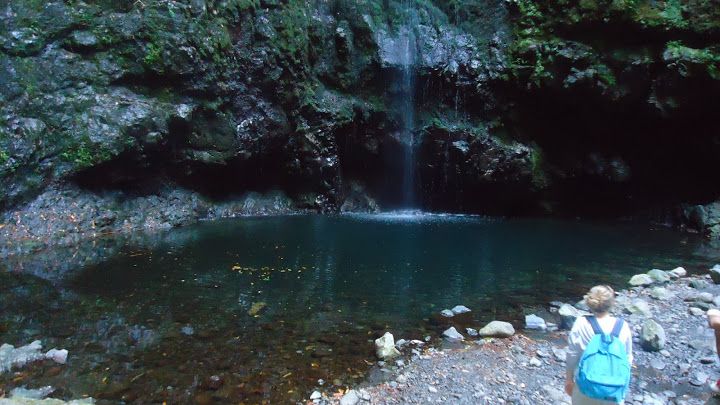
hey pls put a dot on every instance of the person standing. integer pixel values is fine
(600, 299)
(713, 317)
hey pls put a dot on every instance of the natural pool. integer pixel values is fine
(272, 305)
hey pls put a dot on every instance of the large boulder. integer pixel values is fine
(659, 276)
(385, 347)
(569, 314)
(497, 329)
(652, 336)
(715, 274)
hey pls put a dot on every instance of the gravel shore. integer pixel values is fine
(529, 368)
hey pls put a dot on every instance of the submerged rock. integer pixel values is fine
(497, 329)
(385, 347)
(652, 336)
(22, 396)
(11, 357)
(58, 356)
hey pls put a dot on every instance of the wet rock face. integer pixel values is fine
(299, 97)
(455, 161)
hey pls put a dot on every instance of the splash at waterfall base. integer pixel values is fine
(529, 368)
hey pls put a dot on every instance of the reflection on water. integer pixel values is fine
(259, 309)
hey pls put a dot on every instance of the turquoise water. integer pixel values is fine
(153, 318)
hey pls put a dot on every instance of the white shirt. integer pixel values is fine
(581, 334)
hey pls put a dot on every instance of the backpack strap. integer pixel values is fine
(595, 325)
(619, 323)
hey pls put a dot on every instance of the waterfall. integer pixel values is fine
(407, 50)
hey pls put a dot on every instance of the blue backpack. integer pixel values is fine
(604, 370)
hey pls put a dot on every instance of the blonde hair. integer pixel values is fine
(600, 299)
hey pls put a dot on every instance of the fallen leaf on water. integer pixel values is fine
(256, 308)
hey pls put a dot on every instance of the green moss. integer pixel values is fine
(673, 14)
(709, 58)
(4, 157)
(537, 162)
(153, 57)
(85, 153)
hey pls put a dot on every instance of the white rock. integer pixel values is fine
(535, 362)
(533, 321)
(315, 395)
(696, 311)
(350, 398)
(460, 309)
(58, 356)
(385, 347)
(11, 357)
(497, 329)
(471, 331)
(678, 272)
(432, 389)
(447, 313)
(640, 280)
(453, 335)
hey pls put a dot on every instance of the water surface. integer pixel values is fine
(271, 305)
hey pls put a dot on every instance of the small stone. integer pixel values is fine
(660, 293)
(707, 360)
(640, 280)
(535, 362)
(659, 276)
(657, 364)
(665, 353)
(542, 354)
(58, 356)
(350, 398)
(432, 389)
(699, 379)
(497, 329)
(699, 284)
(447, 313)
(460, 309)
(453, 335)
(638, 307)
(256, 308)
(471, 332)
(187, 330)
(533, 321)
(560, 354)
(678, 272)
(705, 297)
(315, 395)
(696, 311)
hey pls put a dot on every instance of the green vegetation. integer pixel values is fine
(85, 153)
(709, 58)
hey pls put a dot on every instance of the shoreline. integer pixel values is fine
(529, 367)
